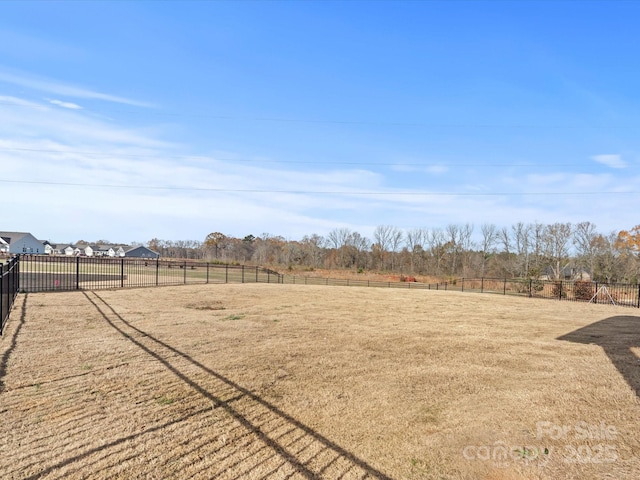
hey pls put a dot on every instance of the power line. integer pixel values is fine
(316, 192)
(298, 162)
(337, 121)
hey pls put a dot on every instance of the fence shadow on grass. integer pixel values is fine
(617, 336)
(271, 442)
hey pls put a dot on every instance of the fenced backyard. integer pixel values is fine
(260, 381)
(41, 273)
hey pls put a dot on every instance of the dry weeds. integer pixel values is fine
(274, 381)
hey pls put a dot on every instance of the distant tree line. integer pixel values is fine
(522, 250)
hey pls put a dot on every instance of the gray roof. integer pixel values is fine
(107, 246)
(141, 247)
(13, 237)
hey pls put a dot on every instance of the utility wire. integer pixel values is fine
(333, 121)
(315, 192)
(298, 162)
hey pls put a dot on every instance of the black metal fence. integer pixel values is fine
(9, 287)
(623, 294)
(41, 273)
(348, 282)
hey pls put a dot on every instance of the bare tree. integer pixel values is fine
(465, 246)
(416, 239)
(356, 249)
(507, 256)
(608, 260)
(387, 239)
(522, 243)
(584, 236)
(557, 237)
(436, 241)
(337, 239)
(312, 246)
(452, 233)
(487, 245)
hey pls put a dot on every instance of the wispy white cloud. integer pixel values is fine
(42, 143)
(612, 161)
(433, 169)
(76, 128)
(57, 88)
(69, 105)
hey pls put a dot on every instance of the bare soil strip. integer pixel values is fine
(286, 381)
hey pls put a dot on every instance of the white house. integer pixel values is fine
(108, 250)
(21, 242)
(4, 246)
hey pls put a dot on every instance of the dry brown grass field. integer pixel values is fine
(289, 381)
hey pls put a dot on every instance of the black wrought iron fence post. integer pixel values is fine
(207, 272)
(530, 288)
(462, 285)
(482, 285)
(242, 273)
(2, 314)
(226, 274)
(638, 295)
(157, 270)
(77, 273)
(122, 272)
(504, 287)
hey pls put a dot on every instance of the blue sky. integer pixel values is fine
(132, 120)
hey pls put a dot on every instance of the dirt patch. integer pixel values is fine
(293, 381)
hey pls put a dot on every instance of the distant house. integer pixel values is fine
(141, 252)
(50, 248)
(108, 250)
(4, 246)
(82, 249)
(57, 248)
(567, 273)
(21, 242)
(103, 251)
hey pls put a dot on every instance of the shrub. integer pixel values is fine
(583, 290)
(559, 290)
(537, 285)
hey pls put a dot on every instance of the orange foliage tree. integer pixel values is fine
(629, 240)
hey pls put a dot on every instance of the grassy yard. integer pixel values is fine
(291, 381)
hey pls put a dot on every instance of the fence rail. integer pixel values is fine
(623, 294)
(40, 273)
(44, 273)
(9, 287)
